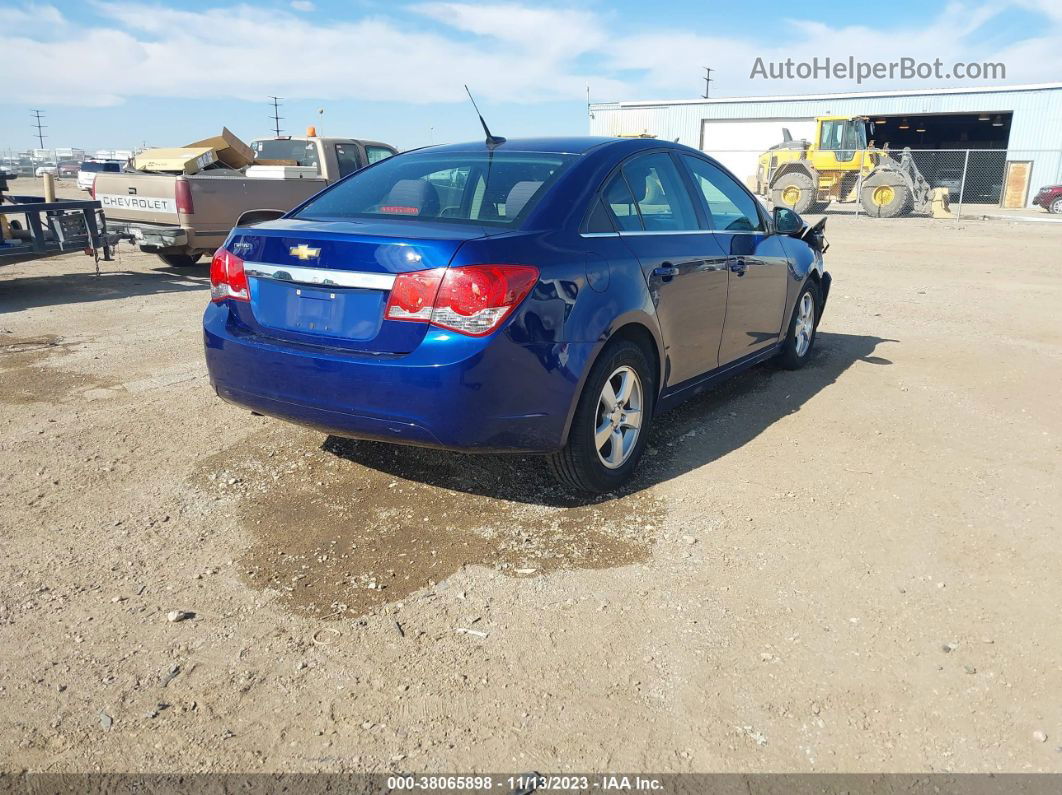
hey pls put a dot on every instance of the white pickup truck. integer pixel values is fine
(182, 217)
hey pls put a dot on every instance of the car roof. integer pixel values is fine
(575, 145)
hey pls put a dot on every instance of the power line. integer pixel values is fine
(276, 117)
(38, 126)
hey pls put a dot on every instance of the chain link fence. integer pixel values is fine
(941, 183)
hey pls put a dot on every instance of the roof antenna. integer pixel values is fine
(492, 140)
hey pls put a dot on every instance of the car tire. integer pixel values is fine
(800, 337)
(1056, 206)
(180, 260)
(582, 464)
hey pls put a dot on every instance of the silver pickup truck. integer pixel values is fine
(183, 217)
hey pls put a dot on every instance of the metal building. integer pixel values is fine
(1000, 126)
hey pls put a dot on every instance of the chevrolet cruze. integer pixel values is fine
(543, 295)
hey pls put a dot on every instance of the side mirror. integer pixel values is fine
(787, 222)
(252, 217)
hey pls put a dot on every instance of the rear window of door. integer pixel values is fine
(648, 194)
(730, 206)
(663, 201)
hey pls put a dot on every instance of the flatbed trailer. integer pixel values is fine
(50, 228)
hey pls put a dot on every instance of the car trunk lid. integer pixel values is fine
(326, 283)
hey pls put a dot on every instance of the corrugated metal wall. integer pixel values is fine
(1036, 123)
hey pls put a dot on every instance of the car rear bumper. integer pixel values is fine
(453, 392)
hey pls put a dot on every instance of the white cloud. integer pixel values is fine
(40, 19)
(424, 52)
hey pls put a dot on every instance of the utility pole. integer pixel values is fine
(276, 114)
(707, 79)
(39, 127)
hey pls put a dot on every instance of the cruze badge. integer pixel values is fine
(304, 252)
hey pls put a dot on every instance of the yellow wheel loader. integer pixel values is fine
(839, 165)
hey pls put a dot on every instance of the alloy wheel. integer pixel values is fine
(619, 417)
(805, 324)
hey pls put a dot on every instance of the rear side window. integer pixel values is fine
(731, 208)
(89, 166)
(663, 201)
(599, 221)
(620, 200)
(492, 188)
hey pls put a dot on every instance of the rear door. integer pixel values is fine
(680, 260)
(756, 260)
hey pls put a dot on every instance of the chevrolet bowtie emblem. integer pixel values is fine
(302, 251)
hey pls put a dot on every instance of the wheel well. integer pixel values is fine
(644, 339)
(798, 167)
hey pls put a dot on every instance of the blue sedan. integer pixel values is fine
(540, 295)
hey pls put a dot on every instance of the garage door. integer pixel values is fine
(736, 143)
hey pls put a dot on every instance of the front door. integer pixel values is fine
(681, 261)
(756, 261)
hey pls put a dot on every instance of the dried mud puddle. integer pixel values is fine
(344, 527)
(25, 376)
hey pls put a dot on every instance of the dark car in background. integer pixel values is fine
(1050, 198)
(544, 295)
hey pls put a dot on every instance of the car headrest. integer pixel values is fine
(654, 191)
(518, 197)
(411, 195)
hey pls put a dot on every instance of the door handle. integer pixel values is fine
(666, 272)
(738, 266)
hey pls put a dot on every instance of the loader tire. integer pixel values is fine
(885, 195)
(794, 190)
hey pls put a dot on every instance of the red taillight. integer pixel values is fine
(472, 300)
(182, 192)
(413, 295)
(227, 277)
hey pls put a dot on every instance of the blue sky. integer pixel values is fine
(121, 73)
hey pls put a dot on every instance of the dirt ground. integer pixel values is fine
(853, 567)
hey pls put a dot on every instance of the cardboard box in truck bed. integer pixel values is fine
(181, 160)
(230, 150)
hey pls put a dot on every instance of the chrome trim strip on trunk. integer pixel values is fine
(322, 276)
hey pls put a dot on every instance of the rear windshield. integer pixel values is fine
(458, 187)
(300, 153)
(89, 166)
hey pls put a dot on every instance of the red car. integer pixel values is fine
(1050, 198)
(68, 168)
